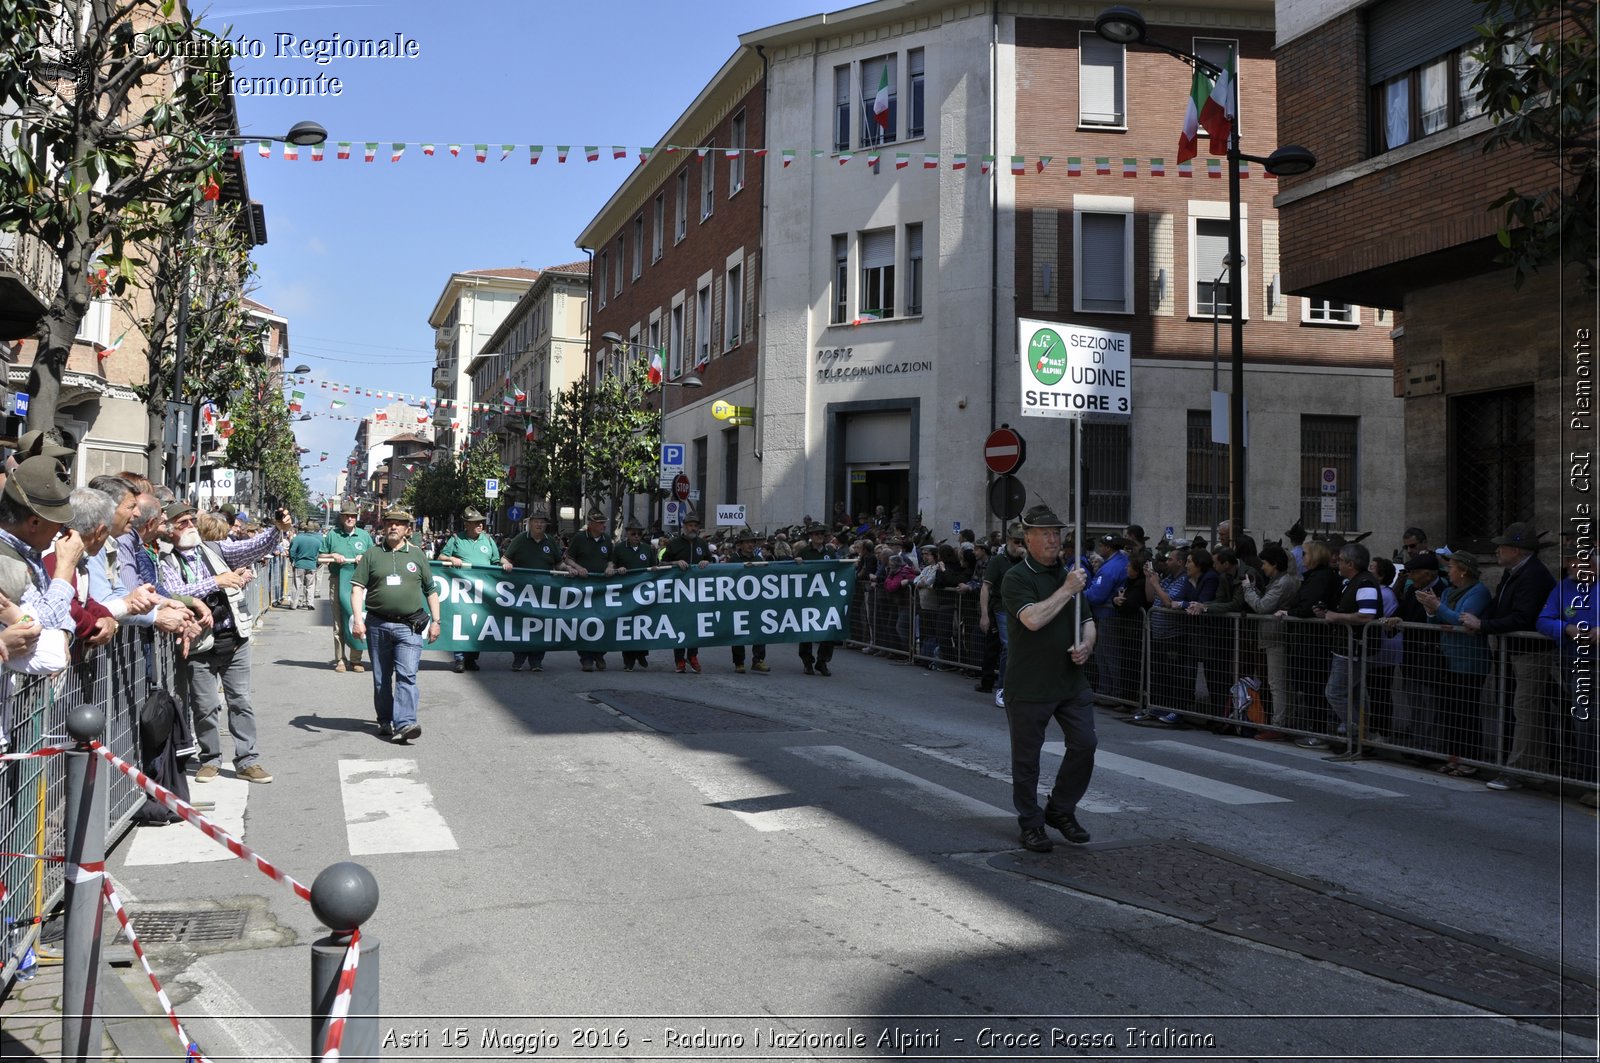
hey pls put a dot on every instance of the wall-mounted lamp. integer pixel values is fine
(1274, 289)
(1161, 286)
(1044, 272)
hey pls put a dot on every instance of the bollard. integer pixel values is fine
(343, 897)
(85, 903)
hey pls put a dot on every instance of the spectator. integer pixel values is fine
(1418, 692)
(1282, 584)
(1168, 587)
(34, 505)
(1311, 645)
(1384, 650)
(1571, 618)
(304, 549)
(1131, 604)
(1297, 552)
(1413, 542)
(1466, 661)
(941, 571)
(1360, 603)
(1110, 578)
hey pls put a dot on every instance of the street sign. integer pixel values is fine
(1330, 480)
(513, 513)
(730, 517)
(680, 486)
(1004, 451)
(491, 487)
(1074, 370)
(21, 405)
(672, 513)
(671, 464)
(723, 411)
(1330, 509)
(1007, 496)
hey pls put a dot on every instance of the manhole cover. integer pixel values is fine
(676, 716)
(202, 926)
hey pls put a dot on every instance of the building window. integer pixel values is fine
(1213, 282)
(730, 466)
(879, 101)
(708, 184)
(622, 248)
(1328, 443)
(914, 269)
(736, 162)
(653, 344)
(841, 279)
(675, 344)
(733, 306)
(1420, 82)
(1206, 480)
(605, 271)
(699, 481)
(841, 108)
(657, 227)
(1492, 465)
(682, 205)
(702, 326)
(1108, 473)
(1102, 277)
(1100, 82)
(877, 275)
(916, 118)
(1328, 312)
(638, 247)
(96, 324)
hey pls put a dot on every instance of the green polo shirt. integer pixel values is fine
(993, 574)
(398, 582)
(477, 553)
(526, 552)
(353, 545)
(592, 552)
(811, 553)
(1040, 666)
(683, 548)
(634, 558)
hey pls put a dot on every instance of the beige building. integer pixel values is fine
(469, 310)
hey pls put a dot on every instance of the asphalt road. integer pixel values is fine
(647, 865)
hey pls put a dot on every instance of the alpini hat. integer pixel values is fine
(1042, 517)
(43, 486)
(747, 535)
(33, 444)
(1520, 535)
(349, 509)
(816, 528)
(175, 510)
(633, 525)
(396, 514)
(470, 515)
(596, 515)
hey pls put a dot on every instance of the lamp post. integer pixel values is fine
(1124, 25)
(1227, 264)
(689, 380)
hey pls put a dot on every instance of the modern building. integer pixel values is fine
(678, 268)
(1398, 215)
(469, 309)
(903, 244)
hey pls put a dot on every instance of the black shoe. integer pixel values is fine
(385, 731)
(984, 688)
(588, 666)
(600, 665)
(459, 666)
(1068, 825)
(472, 666)
(414, 731)
(1035, 840)
(822, 668)
(809, 669)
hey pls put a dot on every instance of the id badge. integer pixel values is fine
(392, 580)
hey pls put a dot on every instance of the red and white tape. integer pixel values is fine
(190, 1049)
(46, 751)
(172, 801)
(341, 1000)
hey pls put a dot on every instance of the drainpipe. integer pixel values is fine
(761, 239)
(994, 237)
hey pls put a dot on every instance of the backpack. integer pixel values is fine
(1244, 702)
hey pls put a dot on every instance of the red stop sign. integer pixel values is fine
(1004, 451)
(680, 486)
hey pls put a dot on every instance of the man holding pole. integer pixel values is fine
(342, 547)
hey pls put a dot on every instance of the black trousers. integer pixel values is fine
(1029, 720)
(824, 652)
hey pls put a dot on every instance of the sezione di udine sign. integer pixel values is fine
(1074, 370)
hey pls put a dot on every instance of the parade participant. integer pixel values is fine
(592, 554)
(1046, 680)
(470, 549)
(534, 549)
(342, 547)
(744, 552)
(215, 573)
(633, 554)
(395, 608)
(816, 549)
(304, 550)
(684, 550)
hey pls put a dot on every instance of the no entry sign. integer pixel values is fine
(1004, 451)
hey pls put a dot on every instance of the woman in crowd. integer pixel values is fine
(1311, 644)
(1283, 585)
(1466, 663)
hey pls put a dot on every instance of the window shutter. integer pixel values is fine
(1210, 248)
(1103, 280)
(751, 275)
(913, 242)
(691, 350)
(1402, 34)
(1099, 80)
(877, 249)
(714, 339)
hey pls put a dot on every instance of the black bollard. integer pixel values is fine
(343, 897)
(85, 901)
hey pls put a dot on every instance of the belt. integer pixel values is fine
(389, 619)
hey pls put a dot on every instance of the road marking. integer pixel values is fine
(388, 810)
(1093, 801)
(180, 843)
(1198, 785)
(852, 763)
(726, 783)
(1250, 766)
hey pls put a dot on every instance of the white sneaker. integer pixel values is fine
(999, 697)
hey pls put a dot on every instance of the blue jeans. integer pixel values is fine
(1005, 651)
(533, 659)
(396, 651)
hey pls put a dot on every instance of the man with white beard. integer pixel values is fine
(215, 573)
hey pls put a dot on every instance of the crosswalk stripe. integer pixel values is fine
(1198, 785)
(1314, 780)
(1093, 801)
(179, 843)
(388, 810)
(853, 763)
(724, 781)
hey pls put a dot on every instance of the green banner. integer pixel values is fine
(661, 608)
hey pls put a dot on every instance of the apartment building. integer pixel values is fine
(677, 268)
(470, 307)
(1397, 214)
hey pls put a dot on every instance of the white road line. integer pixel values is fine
(1093, 801)
(1315, 780)
(1198, 785)
(179, 843)
(723, 779)
(388, 810)
(850, 762)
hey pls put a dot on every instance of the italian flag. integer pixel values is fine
(396, 151)
(1018, 166)
(480, 152)
(620, 152)
(1199, 94)
(291, 152)
(427, 149)
(344, 149)
(316, 152)
(107, 352)
(985, 164)
(338, 404)
(527, 431)
(1130, 167)
(930, 162)
(653, 374)
(534, 151)
(370, 153)
(455, 149)
(380, 416)
(1074, 166)
(324, 456)
(788, 157)
(902, 159)
(519, 395)
(960, 162)
(880, 102)
(1044, 160)
(561, 152)
(506, 150)
(264, 149)
(296, 398)
(1216, 113)
(591, 152)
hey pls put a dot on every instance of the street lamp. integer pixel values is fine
(688, 380)
(1124, 25)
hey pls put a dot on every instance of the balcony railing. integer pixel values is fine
(444, 337)
(29, 276)
(443, 375)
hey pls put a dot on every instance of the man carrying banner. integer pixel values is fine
(816, 548)
(684, 550)
(342, 547)
(634, 555)
(470, 549)
(543, 553)
(591, 554)
(395, 605)
(1045, 680)
(744, 552)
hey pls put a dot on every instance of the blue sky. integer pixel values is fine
(358, 253)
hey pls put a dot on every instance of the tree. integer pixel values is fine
(1538, 83)
(431, 493)
(263, 441)
(621, 446)
(480, 461)
(555, 462)
(107, 104)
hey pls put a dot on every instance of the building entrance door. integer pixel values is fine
(886, 484)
